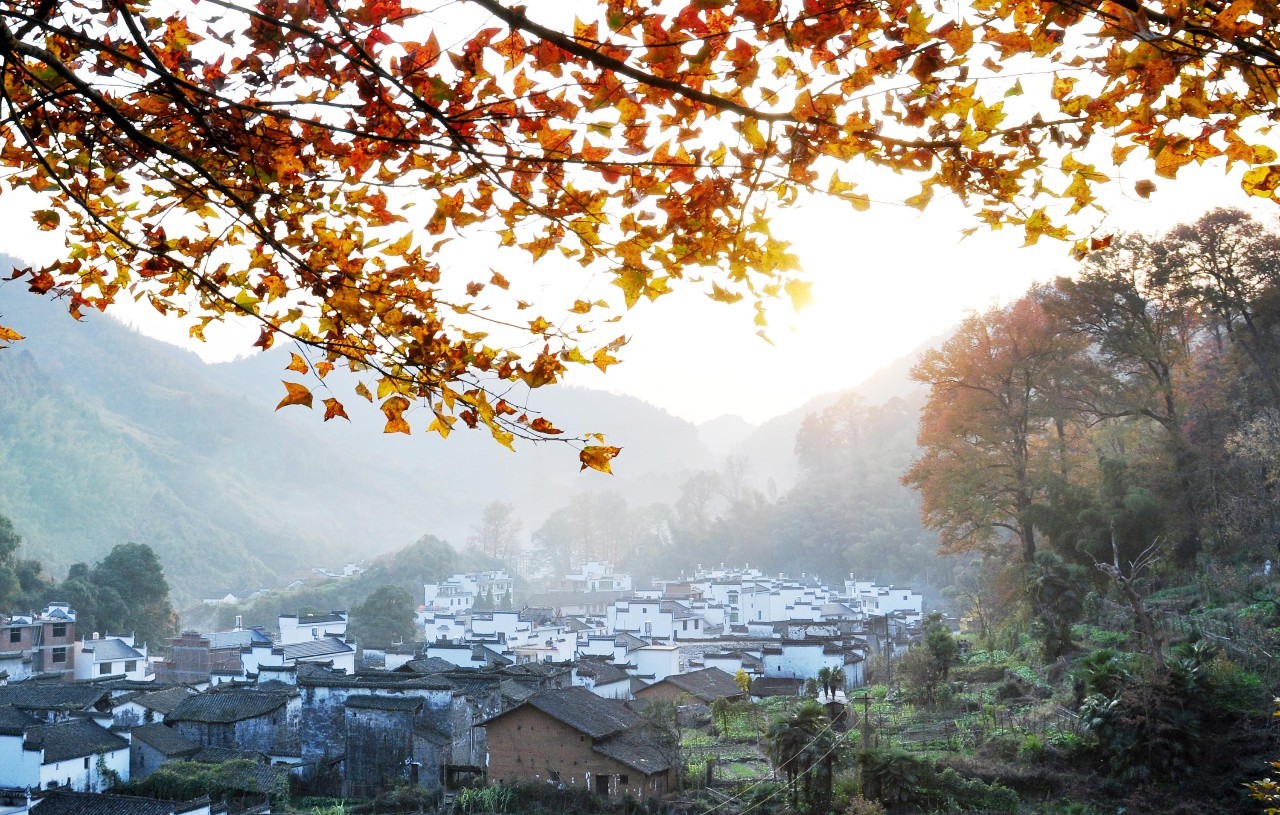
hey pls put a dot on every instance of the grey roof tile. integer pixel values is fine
(50, 695)
(236, 639)
(64, 802)
(225, 706)
(163, 701)
(164, 740)
(13, 721)
(708, 684)
(325, 646)
(73, 738)
(584, 711)
(111, 650)
(390, 703)
(603, 673)
(640, 748)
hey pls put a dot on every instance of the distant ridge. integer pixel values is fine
(771, 447)
(108, 436)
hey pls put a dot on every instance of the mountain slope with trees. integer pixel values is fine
(108, 436)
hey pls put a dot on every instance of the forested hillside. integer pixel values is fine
(831, 504)
(107, 436)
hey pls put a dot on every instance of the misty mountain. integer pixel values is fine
(723, 433)
(108, 436)
(770, 448)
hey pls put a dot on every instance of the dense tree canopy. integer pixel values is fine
(1160, 451)
(124, 593)
(21, 579)
(301, 164)
(384, 618)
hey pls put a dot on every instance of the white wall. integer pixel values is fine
(292, 631)
(800, 661)
(18, 768)
(644, 618)
(87, 668)
(74, 774)
(658, 661)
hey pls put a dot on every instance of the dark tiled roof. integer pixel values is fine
(584, 711)
(13, 721)
(120, 685)
(325, 646)
(708, 684)
(603, 673)
(540, 670)
(776, 686)
(406, 703)
(491, 656)
(310, 675)
(217, 755)
(63, 802)
(629, 641)
(236, 639)
(316, 619)
(48, 695)
(111, 650)
(164, 740)
(224, 706)
(430, 665)
(515, 692)
(73, 738)
(163, 701)
(638, 747)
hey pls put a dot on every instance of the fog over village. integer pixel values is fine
(761, 407)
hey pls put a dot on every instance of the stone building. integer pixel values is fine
(153, 745)
(380, 744)
(197, 657)
(573, 737)
(41, 643)
(697, 687)
(241, 718)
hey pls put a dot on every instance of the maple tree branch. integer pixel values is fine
(1265, 53)
(518, 20)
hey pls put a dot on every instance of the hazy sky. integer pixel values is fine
(883, 282)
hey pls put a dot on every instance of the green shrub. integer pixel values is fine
(1104, 637)
(863, 806)
(987, 658)
(1104, 671)
(489, 800)
(1232, 688)
(844, 790)
(892, 777)
(897, 778)
(1031, 749)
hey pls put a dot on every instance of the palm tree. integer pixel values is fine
(801, 744)
(839, 680)
(824, 679)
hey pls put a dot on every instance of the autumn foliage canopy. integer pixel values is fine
(300, 162)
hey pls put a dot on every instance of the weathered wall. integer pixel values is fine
(528, 745)
(379, 746)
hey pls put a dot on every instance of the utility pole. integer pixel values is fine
(888, 652)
